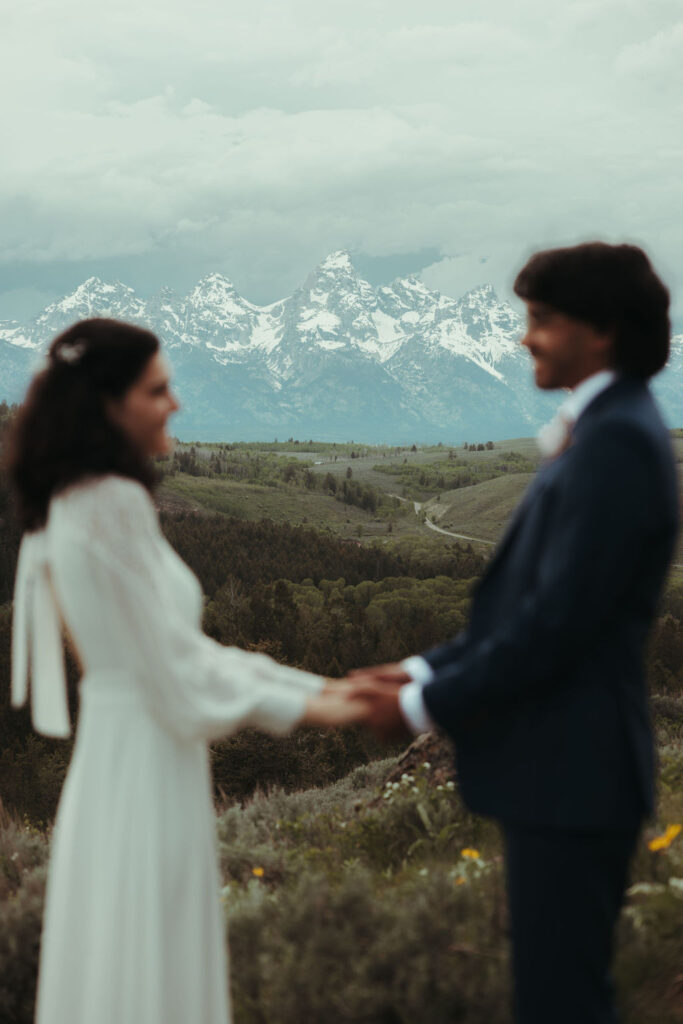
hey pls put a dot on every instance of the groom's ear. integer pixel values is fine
(604, 344)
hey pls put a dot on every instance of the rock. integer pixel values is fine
(433, 748)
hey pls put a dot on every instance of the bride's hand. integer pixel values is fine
(338, 688)
(330, 709)
(391, 672)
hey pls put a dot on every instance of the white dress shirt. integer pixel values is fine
(413, 707)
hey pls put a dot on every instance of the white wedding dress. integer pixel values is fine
(133, 930)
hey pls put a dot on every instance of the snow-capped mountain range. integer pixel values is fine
(337, 360)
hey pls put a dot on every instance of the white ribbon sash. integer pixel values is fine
(37, 651)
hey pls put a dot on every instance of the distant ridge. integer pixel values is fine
(337, 359)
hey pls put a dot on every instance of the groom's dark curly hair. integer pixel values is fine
(611, 287)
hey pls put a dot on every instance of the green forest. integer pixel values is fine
(342, 861)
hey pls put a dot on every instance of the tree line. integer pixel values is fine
(299, 595)
(452, 473)
(307, 598)
(270, 470)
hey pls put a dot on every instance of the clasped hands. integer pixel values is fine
(367, 696)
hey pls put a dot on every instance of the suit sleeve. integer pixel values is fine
(602, 519)
(445, 654)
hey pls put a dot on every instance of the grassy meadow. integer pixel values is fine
(378, 898)
(356, 886)
(491, 483)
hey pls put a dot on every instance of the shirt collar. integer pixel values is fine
(584, 393)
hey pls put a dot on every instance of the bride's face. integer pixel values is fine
(142, 412)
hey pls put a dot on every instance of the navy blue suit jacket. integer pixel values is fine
(544, 694)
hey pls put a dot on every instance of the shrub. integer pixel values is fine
(367, 902)
(352, 951)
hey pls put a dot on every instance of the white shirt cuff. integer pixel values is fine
(418, 668)
(414, 709)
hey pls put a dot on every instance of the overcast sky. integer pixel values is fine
(154, 142)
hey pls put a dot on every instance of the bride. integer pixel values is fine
(133, 931)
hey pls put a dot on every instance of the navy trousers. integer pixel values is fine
(565, 891)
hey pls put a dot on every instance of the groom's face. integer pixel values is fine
(565, 351)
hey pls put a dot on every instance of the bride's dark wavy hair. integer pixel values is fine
(62, 432)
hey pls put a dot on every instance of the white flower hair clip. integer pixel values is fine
(71, 352)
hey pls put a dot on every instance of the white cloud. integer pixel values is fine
(260, 137)
(660, 55)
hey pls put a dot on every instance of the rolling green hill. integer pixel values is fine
(296, 563)
(481, 510)
(287, 483)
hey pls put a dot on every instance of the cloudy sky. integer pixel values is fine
(154, 142)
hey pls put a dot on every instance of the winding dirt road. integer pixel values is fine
(418, 505)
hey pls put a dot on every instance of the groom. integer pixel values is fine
(544, 694)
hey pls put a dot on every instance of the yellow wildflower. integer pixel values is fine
(664, 842)
(259, 872)
(469, 852)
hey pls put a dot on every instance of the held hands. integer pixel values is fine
(335, 708)
(383, 716)
(380, 686)
(367, 696)
(392, 672)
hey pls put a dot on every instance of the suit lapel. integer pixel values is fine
(514, 524)
(613, 393)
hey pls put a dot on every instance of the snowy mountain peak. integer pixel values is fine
(212, 290)
(335, 273)
(412, 283)
(336, 261)
(398, 361)
(93, 298)
(482, 293)
(95, 288)
(493, 325)
(337, 310)
(221, 319)
(410, 291)
(214, 279)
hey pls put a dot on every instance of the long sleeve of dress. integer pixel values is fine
(132, 605)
